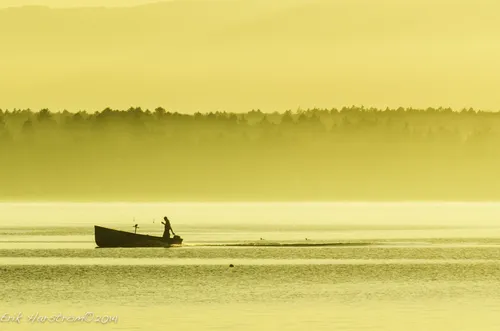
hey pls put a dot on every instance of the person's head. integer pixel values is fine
(165, 218)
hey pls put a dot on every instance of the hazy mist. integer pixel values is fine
(346, 154)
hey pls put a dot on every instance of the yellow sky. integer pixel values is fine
(242, 54)
(74, 3)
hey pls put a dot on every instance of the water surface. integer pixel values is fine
(327, 266)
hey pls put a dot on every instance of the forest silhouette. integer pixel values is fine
(353, 153)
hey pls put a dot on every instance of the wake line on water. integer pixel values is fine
(278, 244)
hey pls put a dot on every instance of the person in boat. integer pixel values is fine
(168, 228)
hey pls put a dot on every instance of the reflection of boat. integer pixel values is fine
(105, 237)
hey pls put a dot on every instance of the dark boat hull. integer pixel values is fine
(105, 237)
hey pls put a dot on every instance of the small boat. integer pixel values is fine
(105, 237)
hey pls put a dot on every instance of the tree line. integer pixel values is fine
(431, 121)
(353, 153)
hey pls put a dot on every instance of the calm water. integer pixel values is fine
(410, 266)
